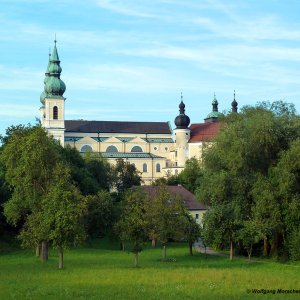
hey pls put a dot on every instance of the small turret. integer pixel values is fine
(215, 114)
(234, 104)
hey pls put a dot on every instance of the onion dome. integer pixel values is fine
(54, 86)
(234, 104)
(182, 121)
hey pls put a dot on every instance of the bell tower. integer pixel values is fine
(53, 102)
(182, 135)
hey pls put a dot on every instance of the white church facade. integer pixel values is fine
(154, 148)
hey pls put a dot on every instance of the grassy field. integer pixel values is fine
(100, 271)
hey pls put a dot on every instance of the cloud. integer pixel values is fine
(17, 111)
(17, 79)
(121, 8)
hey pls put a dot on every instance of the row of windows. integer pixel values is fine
(145, 168)
(110, 149)
(114, 149)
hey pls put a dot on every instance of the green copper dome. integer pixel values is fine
(214, 114)
(54, 87)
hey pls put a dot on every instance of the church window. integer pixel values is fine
(157, 168)
(86, 148)
(136, 149)
(145, 168)
(197, 216)
(111, 149)
(166, 148)
(155, 148)
(55, 113)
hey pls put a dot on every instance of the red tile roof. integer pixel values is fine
(203, 131)
(188, 198)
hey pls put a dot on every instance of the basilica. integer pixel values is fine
(154, 148)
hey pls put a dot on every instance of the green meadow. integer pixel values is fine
(101, 271)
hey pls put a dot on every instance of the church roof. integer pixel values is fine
(189, 199)
(203, 132)
(117, 127)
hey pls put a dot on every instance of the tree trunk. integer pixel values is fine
(265, 252)
(153, 242)
(38, 250)
(191, 248)
(274, 244)
(136, 259)
(164, 252)
(249, 253)
(122, 246)
(61, 258)
(231, 250)
(44, 251)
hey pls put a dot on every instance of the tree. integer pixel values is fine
(132, 225)
(44, 200)
(101, 171)
(191, 176)
(29, 157)
(249, 235)
(164, 214)
(286, 186)
(63, 212)
(191, 230)
(238, 167)
(126, 176)
(89, 174)
(101, 214)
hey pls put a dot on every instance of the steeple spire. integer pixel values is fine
(234, 104)
(54, 86)
(181, 106)
(215, 103)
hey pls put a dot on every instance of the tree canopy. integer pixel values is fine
(242, 179)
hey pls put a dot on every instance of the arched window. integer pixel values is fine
(136, 149)
(55, 113)
(111, 149)
(145, 168)
(157, 168)
(86, 148)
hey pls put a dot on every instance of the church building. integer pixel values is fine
(154, 148)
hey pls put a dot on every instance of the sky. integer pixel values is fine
(131, 59)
